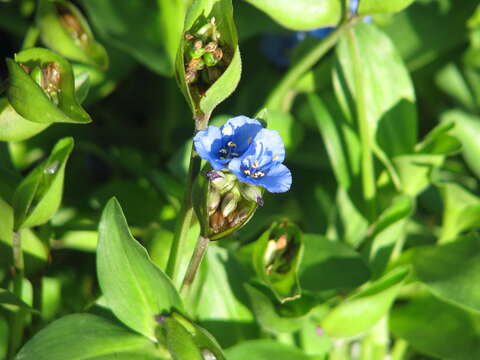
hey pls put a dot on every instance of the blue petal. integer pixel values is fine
(278, 179)
(207, 144)
(270, 140)
(244, 131)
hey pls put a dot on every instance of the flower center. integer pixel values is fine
(228, 151)
(252, 170)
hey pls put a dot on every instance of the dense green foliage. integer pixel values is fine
(110, 247)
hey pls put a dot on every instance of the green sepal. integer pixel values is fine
(200, 196)
(31, 102)
(76, 44)
(186, 340)
(203, 98)
(277, 258)
(38, 196)
(302, 14)
(369, 7)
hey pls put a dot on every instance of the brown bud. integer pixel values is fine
(211, 46)
(51, 77)
(217, 222)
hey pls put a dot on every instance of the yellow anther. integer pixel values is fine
(275, 158)
(231, 144)
(255, 164)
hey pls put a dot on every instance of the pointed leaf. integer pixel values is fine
(451, 271)
(39, 195)
(87, 337)
(135, 289)
(364, 309)
(321, 260)
(438, 329)
(302, 14)
(388, 91)
(31, 101)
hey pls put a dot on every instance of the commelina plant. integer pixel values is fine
(231, 180)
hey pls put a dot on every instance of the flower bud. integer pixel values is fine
(210, 59)
(230, 202)
(221, 181)
(196, 49)
(219, 205)
(276, 259)
(213, 201)
(252, 193)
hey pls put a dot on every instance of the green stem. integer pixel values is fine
(276, 98)
(195, 261)
(368, 171)
(17, 318)
(31, 37)
(186, 212)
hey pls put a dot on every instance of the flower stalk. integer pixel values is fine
(195, 261)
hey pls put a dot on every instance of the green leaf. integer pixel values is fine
(154, 41)
(369, 7)
(13, 127)
(6, 222)
(451, 80)
(323, 258)
(467, 131)
(388, 91)
(134, 288)
(450, 271)
(87, 337)
(461, 211)
(302, 14)
(265, 350)
(186, 340)
(277, 257)
(202, 95)
(341, 143)
(388, 231)
(267, 314)
(64, 30)
(437, 328)
(9, 300)
(39, 195)
(361, 311)
(31, 101)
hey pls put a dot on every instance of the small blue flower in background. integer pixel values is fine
(261, 165)
(220, 145)
(249, 151)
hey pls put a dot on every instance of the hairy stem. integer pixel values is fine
(186, 212)
(17, 318)
(276, 98)
(199, 252)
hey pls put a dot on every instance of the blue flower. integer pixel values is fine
(220, 145)
(261, 164)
